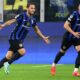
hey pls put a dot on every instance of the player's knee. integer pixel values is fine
(22, 51)
(8, 57)
(78, 48)
(62, 51)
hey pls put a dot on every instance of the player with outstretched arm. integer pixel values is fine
(24, 22)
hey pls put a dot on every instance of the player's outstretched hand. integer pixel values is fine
(46, 39)
(1, 26)
(77, 34)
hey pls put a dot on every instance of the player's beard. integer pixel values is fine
(31, 13)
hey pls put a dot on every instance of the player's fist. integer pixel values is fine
(46, 39)
(1, 26)
(77, 34)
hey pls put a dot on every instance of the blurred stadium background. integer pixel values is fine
(50, 16)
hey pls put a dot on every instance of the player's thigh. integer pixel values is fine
(22, 51)
(66, 44)
(9, 54)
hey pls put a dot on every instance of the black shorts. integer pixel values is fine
(67, 43)
(15, 45)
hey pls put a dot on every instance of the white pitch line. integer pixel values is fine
(41, 66)
(36, 66)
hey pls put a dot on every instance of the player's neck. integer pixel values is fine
(28, 14)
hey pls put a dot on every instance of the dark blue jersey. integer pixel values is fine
(24, 22)
(74, 20)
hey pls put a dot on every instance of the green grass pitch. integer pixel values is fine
(38, 72)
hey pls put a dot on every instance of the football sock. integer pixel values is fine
(58, 57)
(15, 57)
(3, 61)
(77, 62)
(76, 69)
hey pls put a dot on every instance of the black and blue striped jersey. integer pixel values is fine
(74, 20)
(24, 22)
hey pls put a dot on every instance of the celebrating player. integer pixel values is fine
(24, 21)
(71, 37)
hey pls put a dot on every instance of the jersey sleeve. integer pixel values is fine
(19, 17)
(71, 18)
(34, 23)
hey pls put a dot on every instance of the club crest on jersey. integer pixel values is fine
(28, 24)
(20, 45)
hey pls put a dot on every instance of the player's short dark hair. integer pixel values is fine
(31, 3)
(76, 6)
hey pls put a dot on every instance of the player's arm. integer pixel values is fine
(16, 19)
(37, 30)
(67, 26)
(7, 23)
